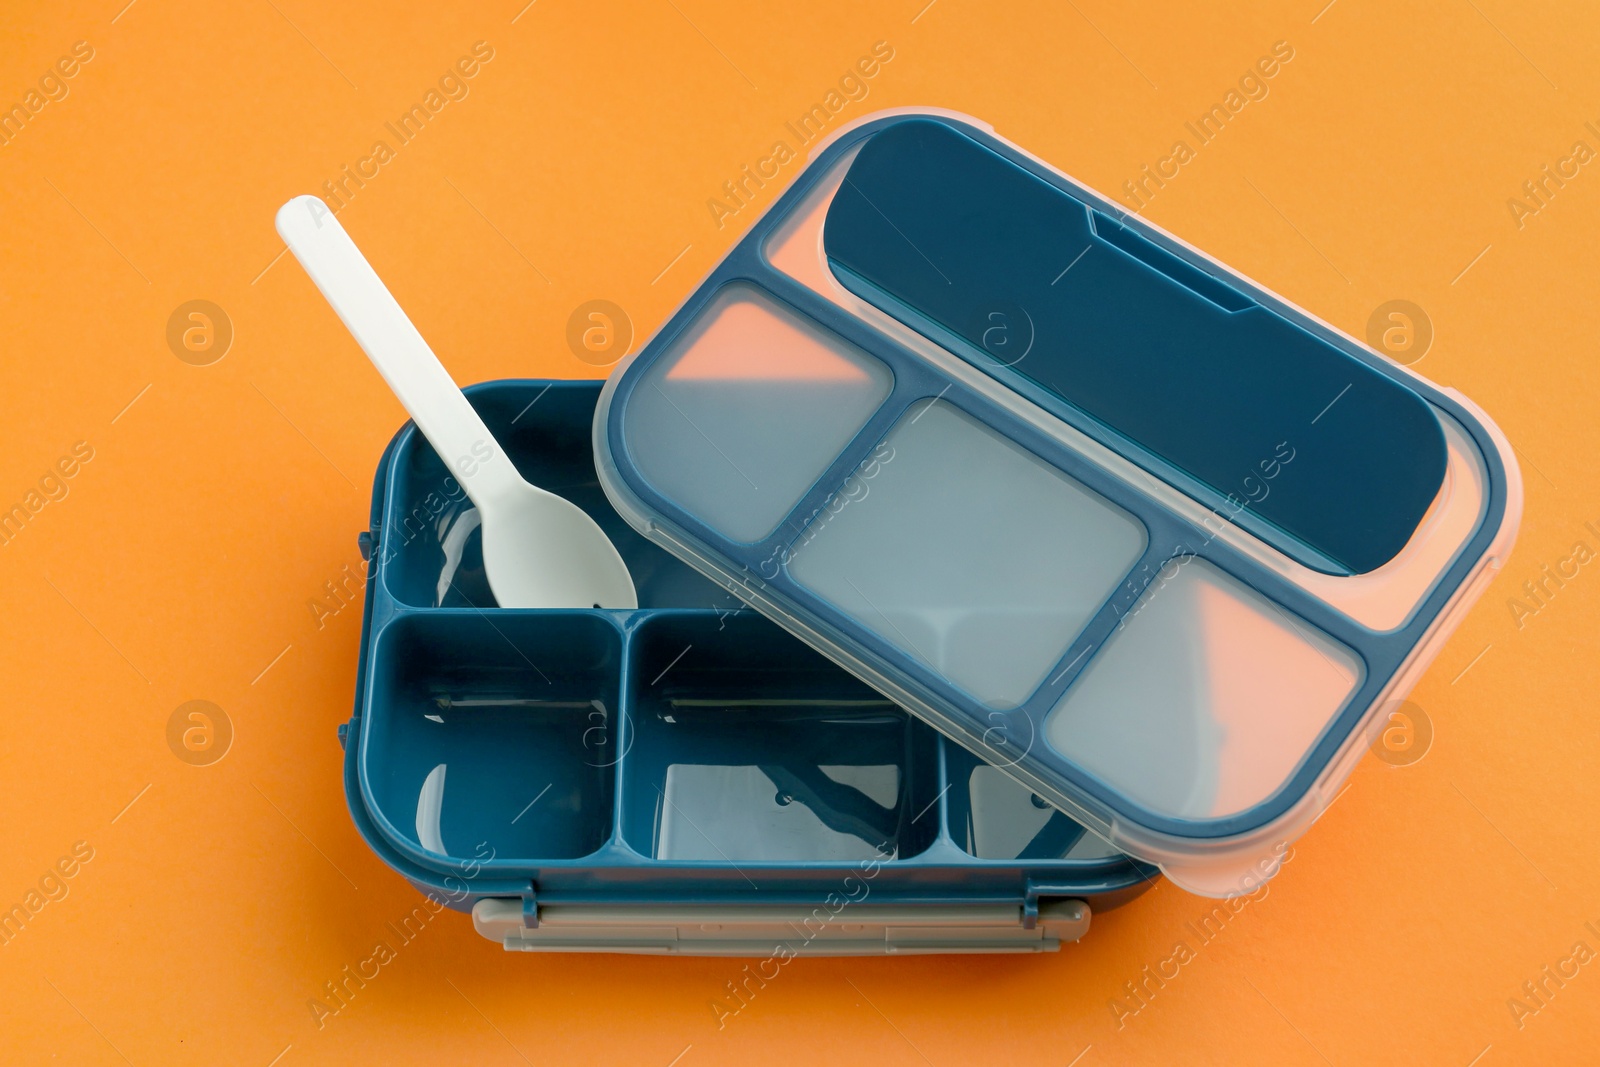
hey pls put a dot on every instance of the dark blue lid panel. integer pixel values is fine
(934, 227)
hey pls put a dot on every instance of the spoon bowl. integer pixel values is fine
(562, 533)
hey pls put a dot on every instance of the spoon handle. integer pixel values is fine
(383, 331)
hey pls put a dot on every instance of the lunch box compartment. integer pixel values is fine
(749, 747)
(993, 817)
(497, 732)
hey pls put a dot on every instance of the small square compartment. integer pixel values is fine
(994, 817)
(750, 747)
(494, 732)
(748, 409)
(430, 548)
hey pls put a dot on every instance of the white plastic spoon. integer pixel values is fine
(539, 550)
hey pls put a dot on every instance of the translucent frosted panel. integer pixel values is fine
(747, 410)
(1205, 699)
(968, 552)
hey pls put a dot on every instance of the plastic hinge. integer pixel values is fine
(1030, 907)
(365, 543)
(530, 906)
(344, 734)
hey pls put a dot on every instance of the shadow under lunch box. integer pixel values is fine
(1153, 541)
(680, 778)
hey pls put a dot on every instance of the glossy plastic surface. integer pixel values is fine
(685, 752)
(1015, 548)
(752, 404)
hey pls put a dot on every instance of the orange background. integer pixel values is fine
(181, 561)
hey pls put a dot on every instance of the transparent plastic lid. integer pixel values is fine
(1141, 535)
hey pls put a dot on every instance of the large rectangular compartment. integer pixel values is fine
(680, 778)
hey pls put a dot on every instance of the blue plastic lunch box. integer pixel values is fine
(1102, 560)
(1151, 539)
(681, 778)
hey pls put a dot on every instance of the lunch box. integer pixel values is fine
(1129, 528)
(685, 777)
